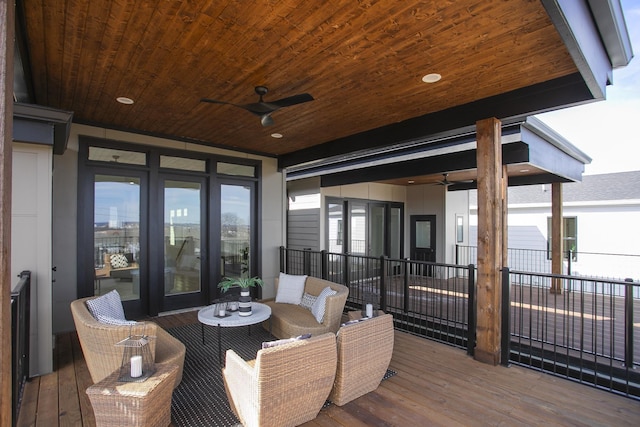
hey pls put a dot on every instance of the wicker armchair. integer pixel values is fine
(285, 385)
(288, 320)
(364, 353)
(98, 343)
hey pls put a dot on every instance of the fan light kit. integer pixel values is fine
(264, 109)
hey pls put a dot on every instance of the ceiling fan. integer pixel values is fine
(264, 109)
(447, 183)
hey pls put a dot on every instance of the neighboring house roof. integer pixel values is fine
(609, 186)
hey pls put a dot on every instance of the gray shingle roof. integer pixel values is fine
(609, 186)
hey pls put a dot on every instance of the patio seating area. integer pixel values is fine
(435, 384)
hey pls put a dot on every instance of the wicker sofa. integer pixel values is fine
(364, 353)
(285, 385)
(98, 342)
(289, 320)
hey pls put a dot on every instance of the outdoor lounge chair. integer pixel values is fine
(98, 341)
(364, 352)
(285, 386)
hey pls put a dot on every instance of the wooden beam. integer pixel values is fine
(7, 22)
(490, 240)
(557, 236)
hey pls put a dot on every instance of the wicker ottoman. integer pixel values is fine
(146, 403)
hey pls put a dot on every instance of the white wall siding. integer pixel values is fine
(31, 244)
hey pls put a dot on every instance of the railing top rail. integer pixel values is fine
(575, 278)
(25, 277)
(402, 260)
(578, 253)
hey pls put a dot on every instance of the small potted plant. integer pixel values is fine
(244, 283)
(240, 282)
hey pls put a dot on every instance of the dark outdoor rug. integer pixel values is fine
(200, 399)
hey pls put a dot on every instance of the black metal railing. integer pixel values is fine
(584, 332)
(592, 264)
(20, 316)
(427, 299)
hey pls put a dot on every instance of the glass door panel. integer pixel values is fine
(182, 237)
(395, 233)
(235, 231)
(423, 240)
(358, 231)
(336, 227)
(395, 238)
(116, 235)
(376, 230)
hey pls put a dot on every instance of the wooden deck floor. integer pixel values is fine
(435, 385)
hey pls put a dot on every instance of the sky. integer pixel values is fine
(607, 131)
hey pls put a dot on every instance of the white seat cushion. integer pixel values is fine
(290, 289)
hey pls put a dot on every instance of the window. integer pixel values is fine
(364, 227)
(570, 237)
(236, 169)
(181, 163)
(459, 229)
(100, 154)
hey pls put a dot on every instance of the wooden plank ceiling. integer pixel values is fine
(362, 61)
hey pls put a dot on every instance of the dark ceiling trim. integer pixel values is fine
(541, 178)
(509, 107)
(511, 153)
(42, 125)
(398, 154)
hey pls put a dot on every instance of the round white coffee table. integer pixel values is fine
(207, 316)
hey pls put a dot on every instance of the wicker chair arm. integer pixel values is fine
(333, 310)
(240, 385)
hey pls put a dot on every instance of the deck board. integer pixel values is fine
(436, 385)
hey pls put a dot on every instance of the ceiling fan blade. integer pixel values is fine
(264, 109)
(215, 101)
(259, 108)
(292, 100)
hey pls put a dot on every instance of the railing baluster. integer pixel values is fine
(506, 318)
(628, 324)
(471, 310)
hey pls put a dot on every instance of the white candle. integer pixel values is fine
(221, 312)
(136, 366)
(369, 310)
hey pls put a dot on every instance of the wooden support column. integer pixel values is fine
(7, 35)
(490, 240)
(557, 235)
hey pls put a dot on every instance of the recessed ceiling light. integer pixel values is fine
(524, 170)
(276, 135)
(431, 78)
(124, 100)
(411, 181)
